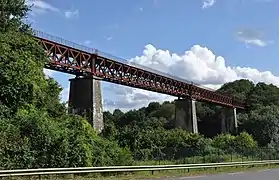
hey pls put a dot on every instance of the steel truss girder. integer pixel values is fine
(73, 61)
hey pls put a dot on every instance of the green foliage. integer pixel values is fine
(52, 102)
(35, 130)
(245, 141)
(21, 78)
(263, 95)
(229, 143)
(14, 149)
(238, 89)
(11, 14)
(223, 141)
(263, 124)
(34, 140)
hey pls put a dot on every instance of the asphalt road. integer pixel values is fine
(270, 174)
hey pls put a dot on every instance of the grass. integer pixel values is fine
(201, 159)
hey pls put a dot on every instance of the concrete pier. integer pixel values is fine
(185, 115)
(85, 99)
(229, 120)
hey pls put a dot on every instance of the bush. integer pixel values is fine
(223, 141)
(245, 141)
(34, 140)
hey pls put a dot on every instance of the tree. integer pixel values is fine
(238, 89)
(263, 95)
(263, 125)
(22, 80)
(11, 14)
(34, 128)
(53, 105)
(22, 59)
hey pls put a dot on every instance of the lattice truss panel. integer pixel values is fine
(81, 63)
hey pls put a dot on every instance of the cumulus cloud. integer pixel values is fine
(252, 37)
(40, 7)
(126, 98)
(208, 3)
(198, 64)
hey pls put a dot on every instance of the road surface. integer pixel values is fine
(270, 174)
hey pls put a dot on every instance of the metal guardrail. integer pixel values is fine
(80, 170)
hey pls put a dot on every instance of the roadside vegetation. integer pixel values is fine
(36, 132)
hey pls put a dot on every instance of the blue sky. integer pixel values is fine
(213, 41)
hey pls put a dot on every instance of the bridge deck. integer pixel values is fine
(79, 60)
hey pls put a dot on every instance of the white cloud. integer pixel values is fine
(72, 14)
(256, 42)
(126, 98)
(198, 64)
(208, 3)
(48, 73)
(141, 9)
(252, 37)
(39, 7)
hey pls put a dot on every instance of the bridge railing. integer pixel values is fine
(62, 41)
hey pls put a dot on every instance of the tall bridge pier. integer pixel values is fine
(228, 120)
(186, 117)
(85, 99)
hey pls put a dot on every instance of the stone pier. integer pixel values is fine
(229, 120)
(85, 99)
(185, 115)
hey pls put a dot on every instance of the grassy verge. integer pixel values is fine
(156, 174)
(199, 159)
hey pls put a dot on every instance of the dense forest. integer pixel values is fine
(36, 131)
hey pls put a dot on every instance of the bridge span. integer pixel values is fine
(90, 66)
